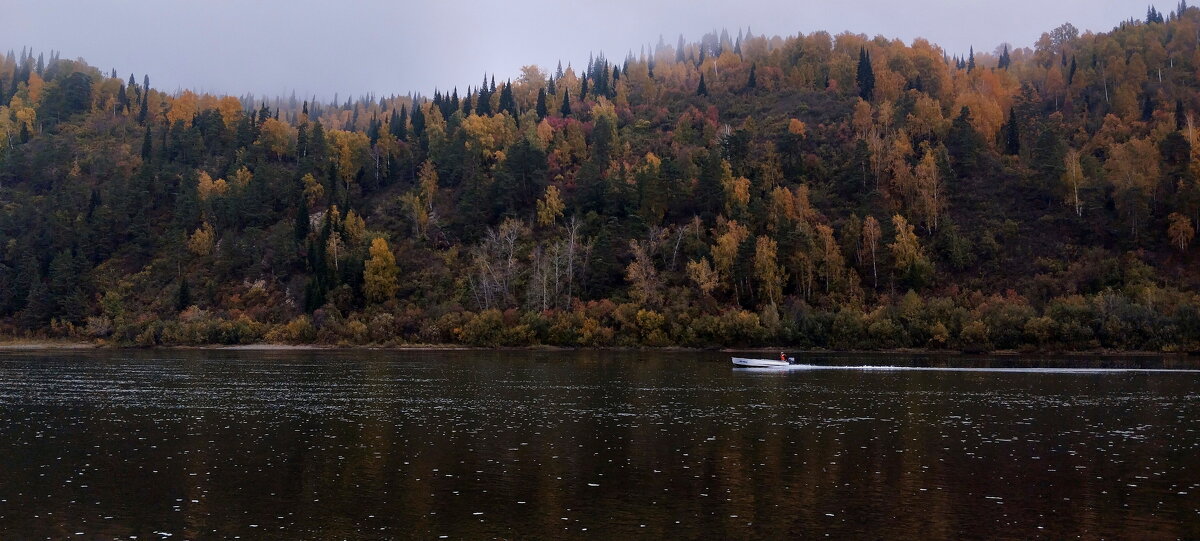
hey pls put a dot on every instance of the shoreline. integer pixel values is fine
(55, 345)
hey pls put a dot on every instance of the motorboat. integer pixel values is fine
(760, 363)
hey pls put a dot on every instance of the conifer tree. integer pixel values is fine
(373, 130)
(122, 100)
(752, 82)
(865, 75)
(400, 130)
(183, 295)
(1013, 136)
(507, 103)
(147, 146)
(394, 124)
(701, 90)
(541, 104)
(964, 143)
(971, 61)
(566, 104)
(418, 120)
(145, 110)
(483, 105)
(38, 306)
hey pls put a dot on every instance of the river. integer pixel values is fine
(593, 445)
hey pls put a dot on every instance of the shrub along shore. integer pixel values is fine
(1164, 321)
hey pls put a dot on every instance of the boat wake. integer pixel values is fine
(1017, 370)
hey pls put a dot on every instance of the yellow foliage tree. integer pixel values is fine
(703, 275)
(231, 110)
(276, 137)
(1073, 177)
(550, 207)
(930, 197)
(797, 127)
(34, 87)
(725, 251)
(1180, 231)
(907, 254)
(313, 190)
(737, 196)
(349, 152)
(419, 203)
(767, 270)
(643, 276)
(380, 275)
(355, 228)
(870, 243)
(832, 263)
(183, 108)
(203, 240)
(207, 188)
(1133, 168)
(242, 177)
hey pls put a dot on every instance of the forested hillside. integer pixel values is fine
(814, 191)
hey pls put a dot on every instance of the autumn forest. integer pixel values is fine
(815, 191)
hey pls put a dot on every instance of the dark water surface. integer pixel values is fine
(600, 445)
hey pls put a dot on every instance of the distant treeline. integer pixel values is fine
(813, 191)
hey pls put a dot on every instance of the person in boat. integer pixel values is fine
(782, 357)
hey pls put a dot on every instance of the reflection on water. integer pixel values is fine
(591, 445)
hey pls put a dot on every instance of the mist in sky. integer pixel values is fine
(385, 47)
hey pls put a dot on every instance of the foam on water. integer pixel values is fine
(1015, 370)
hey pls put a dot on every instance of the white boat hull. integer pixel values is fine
(759, 363)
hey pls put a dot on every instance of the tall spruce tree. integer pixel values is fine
(147, 145)
(183, 295)
(541, 104)
(1012, 140)
(507, 103)
(483, 106)
(301, 225)
(566, 103)
(865, 76)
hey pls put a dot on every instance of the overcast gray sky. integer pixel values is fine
(272, 47)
